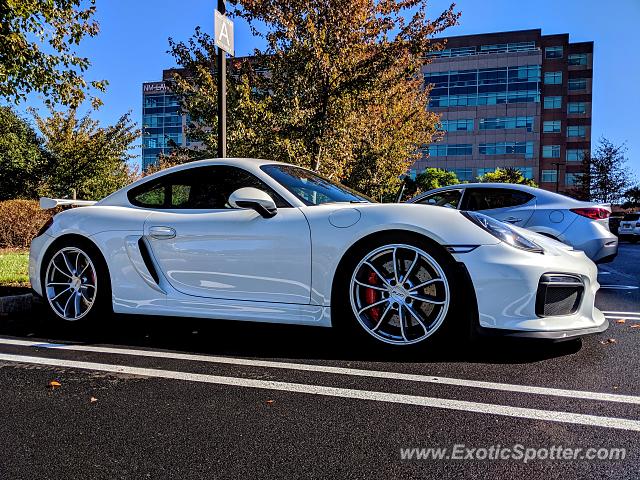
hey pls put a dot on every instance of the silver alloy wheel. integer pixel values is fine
(399, 294)
(71, 283)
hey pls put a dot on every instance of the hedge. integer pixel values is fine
(20, 221)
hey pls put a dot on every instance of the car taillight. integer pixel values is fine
(593, 213)
(45, 227)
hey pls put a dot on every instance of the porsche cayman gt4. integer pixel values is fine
(253, 240)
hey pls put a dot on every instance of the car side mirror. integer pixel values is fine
(249, 197)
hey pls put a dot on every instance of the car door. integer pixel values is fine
(505, 204)
(206, 248)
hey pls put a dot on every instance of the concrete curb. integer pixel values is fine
(13, 304)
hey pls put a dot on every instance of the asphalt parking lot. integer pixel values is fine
(175, 398)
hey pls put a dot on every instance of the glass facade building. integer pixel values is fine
(511, 99)
(163, 126)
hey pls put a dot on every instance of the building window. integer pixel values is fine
(449, 150)
(575, 155)
(487, 86)
(551, 126)
(577, 83)
(576, 107)
(551, 151)
(527, 172)
(507, 148)
(553, 52)
(553, 78)
(571, 179)
(505, 123)
(483, 171)
(549, 176)
(465, 125)
(463, 174)
(577, 59)
(576, 131)
(552, 102)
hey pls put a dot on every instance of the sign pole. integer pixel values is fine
(221, 65)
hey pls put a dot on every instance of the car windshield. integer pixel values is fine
(632, 216)
(312, 189)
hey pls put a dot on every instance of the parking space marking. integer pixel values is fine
(432, 402)
(526, 389)
(635, 314)
(619, 287)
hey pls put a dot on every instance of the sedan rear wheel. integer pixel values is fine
(399, 294)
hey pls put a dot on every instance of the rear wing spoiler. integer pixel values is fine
(47, 203)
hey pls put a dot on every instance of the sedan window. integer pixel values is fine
(492, 198)
(206, 188)
(447, 198)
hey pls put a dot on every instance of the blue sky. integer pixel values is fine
(132, 44)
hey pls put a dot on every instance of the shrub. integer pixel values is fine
(20, 221)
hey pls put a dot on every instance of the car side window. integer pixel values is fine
(446, 198)
(491, 198)
(206, 188)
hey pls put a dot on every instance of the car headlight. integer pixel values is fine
(503, 231)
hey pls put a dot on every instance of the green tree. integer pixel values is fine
(609, 177)
(343, 94)
(196, 85)
(435, 178)
(633, 198)
(38, 41)
(21, 157)
(506, 175)
(85, 157)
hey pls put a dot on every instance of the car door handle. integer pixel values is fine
(512, 220)
(162, 233)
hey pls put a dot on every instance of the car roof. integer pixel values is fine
(537, 192)
(249, 164)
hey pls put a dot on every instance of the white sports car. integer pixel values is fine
(254, 240)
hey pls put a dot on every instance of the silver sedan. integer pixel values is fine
(583, 225)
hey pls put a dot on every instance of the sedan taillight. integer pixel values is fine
(594, 213)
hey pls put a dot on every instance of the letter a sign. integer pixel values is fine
(224, 33)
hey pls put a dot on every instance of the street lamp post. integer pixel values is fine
(557, 164)
(221, 65)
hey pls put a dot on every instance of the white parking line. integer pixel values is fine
(460, 405)
(621, 313)
(619, 287)
(618, 317)
(527, 389)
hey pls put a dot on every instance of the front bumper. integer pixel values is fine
(506, 282)
(557, 336)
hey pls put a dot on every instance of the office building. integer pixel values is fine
(163, 125)
(512, 99)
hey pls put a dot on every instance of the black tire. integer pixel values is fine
(101, 307)
(459, 322)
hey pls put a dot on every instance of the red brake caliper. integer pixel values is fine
(371, 296)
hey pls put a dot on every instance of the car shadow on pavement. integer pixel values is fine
(260, 340)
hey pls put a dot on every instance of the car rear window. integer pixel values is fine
(632, 216)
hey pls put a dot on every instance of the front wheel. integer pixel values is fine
(401, 293)
(75, 284)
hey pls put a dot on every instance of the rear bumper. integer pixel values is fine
(600, 250)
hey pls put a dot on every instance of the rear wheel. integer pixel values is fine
(75, 283)
(400, 292)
